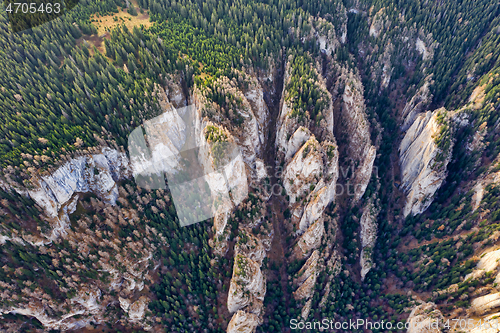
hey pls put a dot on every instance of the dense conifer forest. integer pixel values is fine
(61, 94)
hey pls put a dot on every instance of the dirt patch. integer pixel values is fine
(477, 97)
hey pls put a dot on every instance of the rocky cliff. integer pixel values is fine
(356, 127)
(423, 161)
(368, 224)
(425, 318)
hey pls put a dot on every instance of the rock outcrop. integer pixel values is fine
(416, 105)
(424, 318)
(96, 173)
(356, 126)
(423, 162)
(479, 188)
(377, 23)
(311, 239)
(324, 33)
(247, 286)
(306, 277)
(485, 304)
(368, 224)
(85, 308)
(135, 310)
(243, 322)
(311, 176)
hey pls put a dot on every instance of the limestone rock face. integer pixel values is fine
(95, 173)
(245, 134)
(57, 193)
(485, 304)
(491, 178)
(377, 24)
(251, 247)
(427, 54)
(306, 289)
(364, 173)
(309, 269)
(312, 173)
(243, 322)
(311, 239)
(247, 284)
(355, 123)
(368, 224)
(304, 169)
(88, 296)
(306, 277)
(255, 96)
(422, 174)
(292, 132)
(85, 305)
(325, 34)
(416, 105)
(135, 310)
(423, 319)
(488, 262)
(297, 140)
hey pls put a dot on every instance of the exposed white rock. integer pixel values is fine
(290, 130)
(88, 297)
(260, 170)
(368, 224)
(355, 123)
(243, 322)
(420, 172)
(306, 277)
(250, 246)
(489, 261)
(96, 173)
(481, 185)
(422, 49)
(247, 284)
(484, 304)
(304, 313)
(324, 32)
(377, 24)
(364, 173)
(319, 199)
(382, 68)
(285, 125)
(415, 105)
(67, 322)
(304, 170)
(85, 305)
(308, 269)
(424, 318)
(255, 96)
(311, 239)
(297, 140)
(91, 173)
(135, 310)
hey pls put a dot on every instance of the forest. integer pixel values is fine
(59, 94)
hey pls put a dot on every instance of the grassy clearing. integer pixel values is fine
(107, 23)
